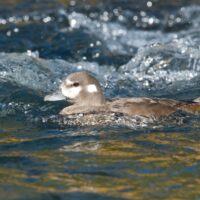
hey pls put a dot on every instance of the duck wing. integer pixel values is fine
(148, 107)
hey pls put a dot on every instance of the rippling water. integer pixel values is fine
(151, 48)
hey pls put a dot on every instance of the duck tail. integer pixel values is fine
(192, 107)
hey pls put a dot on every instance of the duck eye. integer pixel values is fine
(76, 84)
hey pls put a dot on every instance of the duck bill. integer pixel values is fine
(197, 100)
(56, 96)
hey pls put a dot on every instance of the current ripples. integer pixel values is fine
(134, 49)
(109, 164)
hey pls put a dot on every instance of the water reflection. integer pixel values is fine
(107, 163)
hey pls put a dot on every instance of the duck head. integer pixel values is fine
(79, 88)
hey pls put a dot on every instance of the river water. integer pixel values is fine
(146, 48)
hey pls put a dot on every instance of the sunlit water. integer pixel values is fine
(146, 49)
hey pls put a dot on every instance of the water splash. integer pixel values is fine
(159, 62)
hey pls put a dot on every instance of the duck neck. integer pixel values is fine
(92, 100)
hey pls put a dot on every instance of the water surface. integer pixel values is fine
(150, 48)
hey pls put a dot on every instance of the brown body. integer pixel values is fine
(88, 97)
(144, 107)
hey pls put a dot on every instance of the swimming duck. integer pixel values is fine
(85, 94)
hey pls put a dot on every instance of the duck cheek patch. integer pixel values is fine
(71, 93)
(92, 88)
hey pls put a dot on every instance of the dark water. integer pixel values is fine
(145, 48)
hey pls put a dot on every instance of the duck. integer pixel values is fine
(85, 95)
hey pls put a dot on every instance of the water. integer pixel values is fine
(149, 48)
